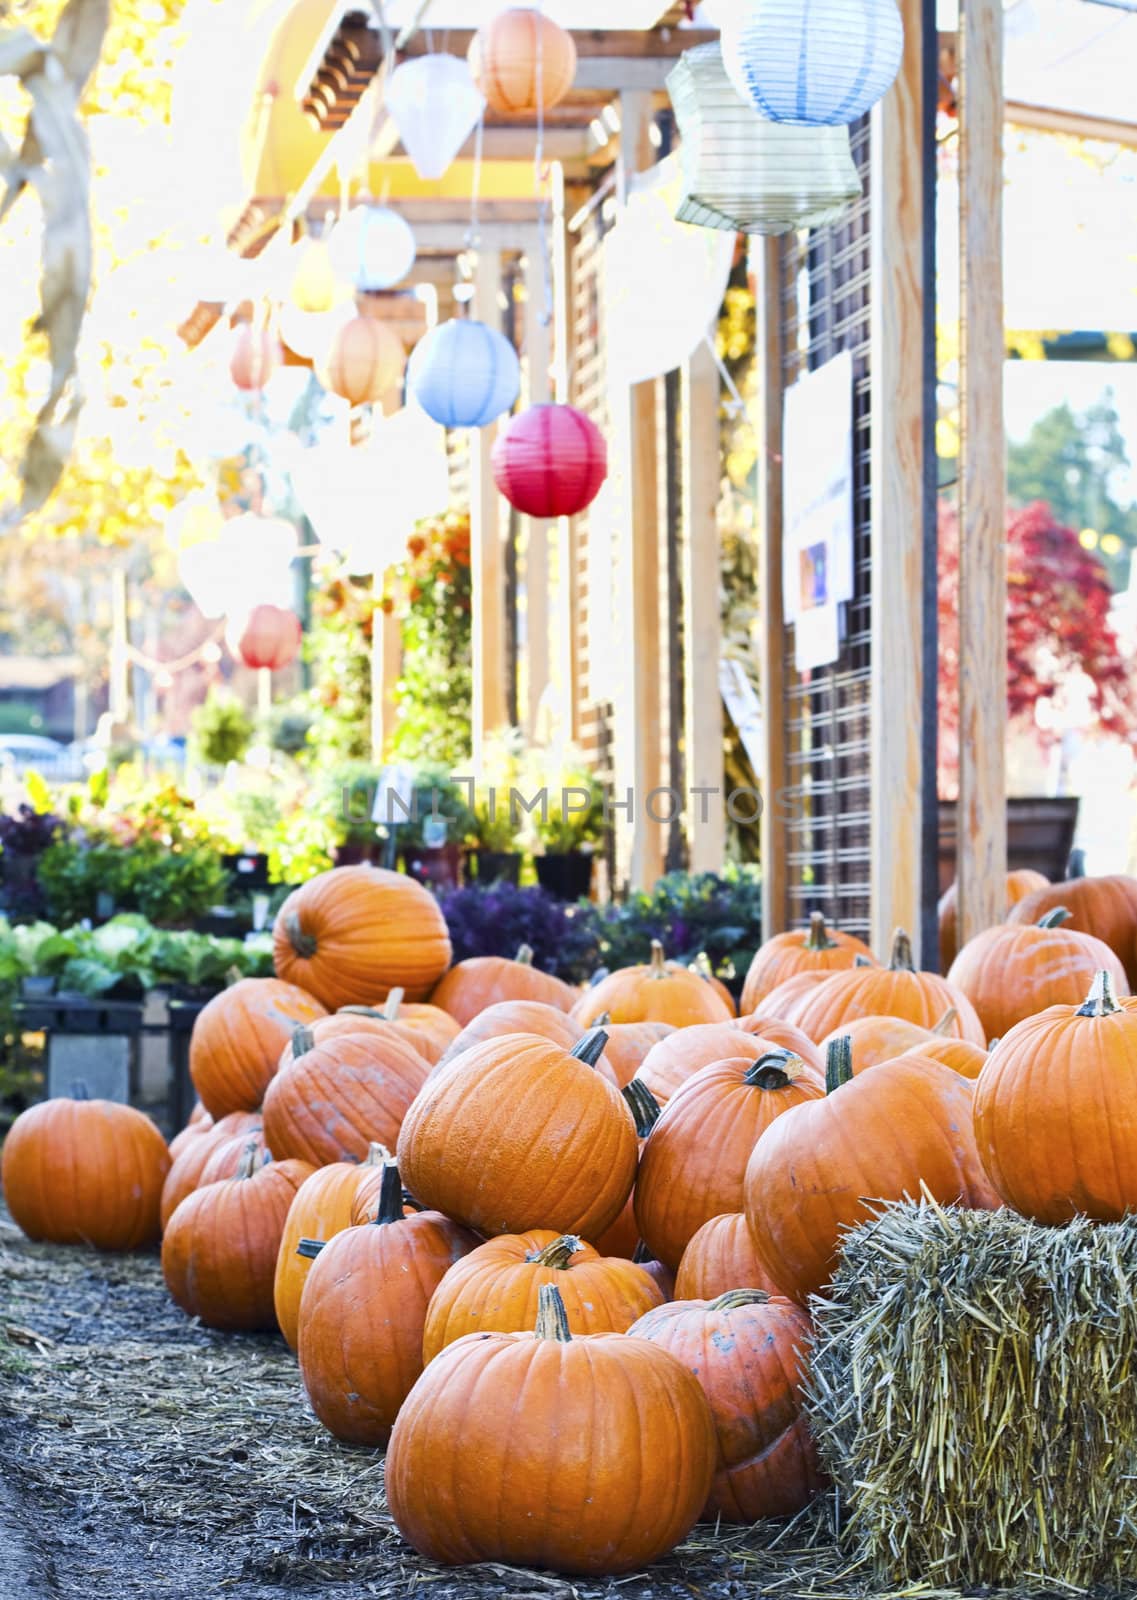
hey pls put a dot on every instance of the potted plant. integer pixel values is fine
(431, 842)
(496, 830)
(569, 824)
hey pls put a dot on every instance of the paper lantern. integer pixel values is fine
(255, 356)
(269, 637)
(314, 286)
(309, 333)
(464, 374)
(372, 248)
(813, 61)
(435, 106)
(521, 61)
(364, 361)
(744, 174)
(550, 461)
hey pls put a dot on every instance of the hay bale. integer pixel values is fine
(974, 1394)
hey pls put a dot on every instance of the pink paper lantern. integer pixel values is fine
(270, 637)
(255, 356)
(550, 461)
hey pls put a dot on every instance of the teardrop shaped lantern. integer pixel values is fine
(372, 248)
(255, 356)
(313, 287)
(435, 106)
(268, 638)
(522, 61)
(550, 461)
(813, 62)
(464, 374)
(364, 361)
(744, 174)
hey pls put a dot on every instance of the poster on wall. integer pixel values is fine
(817, 503)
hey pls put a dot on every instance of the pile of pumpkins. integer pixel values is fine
(522, 1234)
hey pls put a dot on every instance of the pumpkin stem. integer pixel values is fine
(947, 1022)
(1100, 1001)
(591, 1047)
(392, 1003)
(658, 968)
(376, 1155)
(303, 1040)
(991, 1043)
(818, 936)
(79, 1090)
(390, 1207)
(310, 1248)
(302, 943)
(233, 975)
(524, 956)
(602, 1020)
(552, 1318)
(863, 961)
(641, 1253)
(739, 1297)
(643, 1105)
(598, 976)
(777, 1069)
(247, 1165)
(702, 965)
(901, 957)
(374, 1012)
(838, 1063)
(1055, 918)
(558, 1254)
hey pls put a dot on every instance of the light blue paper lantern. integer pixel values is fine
(464, 374)
(813, 62)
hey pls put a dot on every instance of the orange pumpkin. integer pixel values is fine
(513, 1016)
(351, 935)
(663, 991)
(363, 1312)
(1020, 883)
(433, 1029)
(959, 1054)
(747, 1349)
(331, 1101)
(322, 1208)
(496, 1287)
(694, 1164)
(81, 1171)
(520, 1133)
(219, 1251)
(814, 949)
(188, 1165)
(602, 1410)
(482, 981)
(1104, 907)
(721, 1256)
(225, 1157)
(629, 1043)
(1013, 971)
(623, 1237)
(660, 1274)
(784, 1002)
(375, 1020)
(675, 1060)
(236, 1041)
(522, 61)
(702, 965)
(876, 1039)
(192, 1131)
(825, 1166)
(897, 990)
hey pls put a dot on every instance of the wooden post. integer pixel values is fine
(537, 617)
(386, 665)
(119, 693)
(487, 556)
(982, 813)
(566, 673)
(899, 441)
(702, 631)
(772, 634)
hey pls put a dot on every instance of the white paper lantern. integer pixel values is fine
(743, 174)
(309, 333)
(372, 248)
(435, 106)
(813, 62)
(249, 563)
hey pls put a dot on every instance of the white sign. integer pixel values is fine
(817, 499)
(394, 797)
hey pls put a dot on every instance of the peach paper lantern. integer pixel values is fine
(255, 356)
(364, 361)
(520, 59)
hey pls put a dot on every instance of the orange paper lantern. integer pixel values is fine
(521, 61)
(255, 356)
(364, 361)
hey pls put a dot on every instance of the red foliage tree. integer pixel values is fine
(1058, 597)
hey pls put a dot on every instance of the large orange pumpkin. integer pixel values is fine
(897, 990)
(662, 991)
(513, 1016)
(694, 1163)
(785, 1036)
(496, 1287)
(784, 1002)
(675, 1060)
(1105, 907)
(322, 1208)
(959, 1054)
(617, 1424)
(629, 1043)
(721, 1256)
(824, 1167)
(331, 1101)
(1013, 971)
(190, 1162)
(1020, 883)
(236, 1041)
(429, 1027)
(520, 1133)
(876, 1039)
(747, 1349)
(80, 1171)
(225, 1158)
(482, 981)
(219, 1251)
(814, 949)
(352, 934)
(363, 1311)
(1056, 1111)
(192, 1131)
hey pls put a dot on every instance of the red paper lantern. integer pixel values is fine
(550, 461)
(255, 356)
(270, 638)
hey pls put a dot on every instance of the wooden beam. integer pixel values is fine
(899, 440)
(1080, 124)
(538, 352)
(487, 555)
(702, 629)
(982, 845)
(613, 45)
(772, 626)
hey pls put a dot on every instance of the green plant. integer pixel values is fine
(690, 913)
(435, 691)
(496, 823)
(169, 885)
(571, 813)
(221, 729)
(437, 796)
(302, 844)
(338, 649)
(288, 728)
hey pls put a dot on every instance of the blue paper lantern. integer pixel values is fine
(813, 62)
(463, 374)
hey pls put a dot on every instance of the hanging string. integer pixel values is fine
(473, 237)
(736, 405)
(541, 181)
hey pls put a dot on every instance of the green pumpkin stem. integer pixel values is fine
(818, 936)
(79, 1090)
(901, 958)
(603, 1020)
(524, 956)
(310, 1248)
(946, 1025)
(641, 1253)
(739, 1297)
(392, 1004)
(863, 961)
(1100, 1001)
(303, 1040)
(1055, 918)
(302, 943)
(591, 1047)
(552, 1318)
(376, 1155)
(558, 1254)
(645, 1108)
(390, 1207)
(838, 1063)
(658, 968)
(776, 1069)
(373, 1012)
